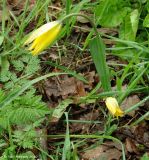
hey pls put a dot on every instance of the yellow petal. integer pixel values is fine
(119, 112)
(113, 107)
(43, 29)
(43, 37)
(45, 40)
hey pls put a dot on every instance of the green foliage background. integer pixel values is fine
(20, 119)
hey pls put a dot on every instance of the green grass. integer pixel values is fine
(20, 72)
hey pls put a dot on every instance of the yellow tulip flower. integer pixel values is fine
(43, 37)
(113, 107)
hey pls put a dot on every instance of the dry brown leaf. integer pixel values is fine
(80, 89)
(147, 105)
(64, 86)
(19, 4)
(85, 28)
(141, 133)
(129, 102)
(90, 77)
(94, 153)
(113, 144)
(84, 127)
(82, 19)
(131, 146)
(102, 152)
(43, 138)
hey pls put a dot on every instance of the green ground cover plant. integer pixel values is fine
(52, 105)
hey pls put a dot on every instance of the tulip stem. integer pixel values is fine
(102, 59)
(86, 17)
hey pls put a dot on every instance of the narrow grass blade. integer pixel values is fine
(68, 7)
(137, 105)
(93, 136)
(136, 78)
(66, 148)
(75, 9)
(78, 76)
(1, 40)
(141, 119)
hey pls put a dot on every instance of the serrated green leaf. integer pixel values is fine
(5, 64)
(18, 64)
(33, 65)
(5, 76)
(24, 110)
(24, 138)
(14, 94)
(26, 155)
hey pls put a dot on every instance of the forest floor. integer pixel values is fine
(78, 124)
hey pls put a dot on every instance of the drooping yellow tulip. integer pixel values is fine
(113, 107)
(43, 37)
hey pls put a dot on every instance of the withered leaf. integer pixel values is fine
(129, 102)
(102, 152)
(64, 87)
(131, 146)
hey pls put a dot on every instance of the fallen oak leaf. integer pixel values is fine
(130, 101)
(131, 146)
(102, 152)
